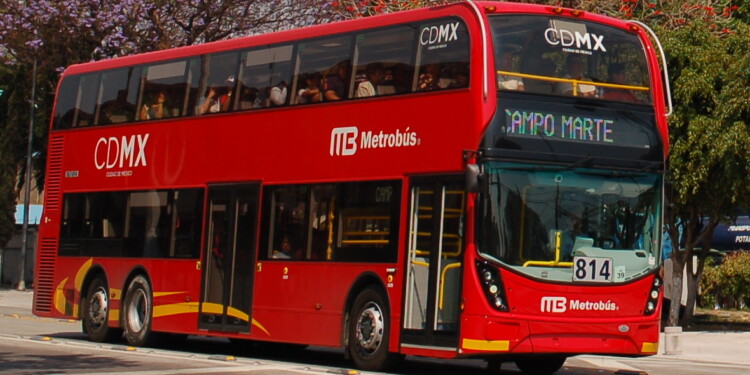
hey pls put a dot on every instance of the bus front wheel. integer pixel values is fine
(138, 313)
(369, 331)
(96, 313)
(541, 365)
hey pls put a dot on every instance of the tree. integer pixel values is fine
(61, 33)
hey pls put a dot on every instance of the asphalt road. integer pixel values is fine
(32, 345)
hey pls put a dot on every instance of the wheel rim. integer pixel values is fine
(97, 310)
(138, 310)
(370, 328)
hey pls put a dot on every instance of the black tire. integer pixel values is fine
(541, 365)
(137, 313)
(95, 311)
(368, 332)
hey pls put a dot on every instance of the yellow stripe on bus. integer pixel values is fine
(486, 345)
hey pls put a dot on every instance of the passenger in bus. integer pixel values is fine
(430, 78)
(617, 75)
(508, 81)
(277, 95)
(571, 232)
(156, 107)
(117, 110)
(375, 73)
(285, 249)
(249, 98)
(217, 98)
(576, 69)
(311, 92)
(461, 79)
(335, 82)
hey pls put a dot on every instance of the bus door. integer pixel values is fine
(435, 250)
(228, 259)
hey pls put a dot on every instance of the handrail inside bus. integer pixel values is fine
(574, 82)
(485, 57)
(667, 89)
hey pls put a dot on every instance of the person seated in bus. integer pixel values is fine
(249, 98)
(374, 74)
(508, 81)
(217, 98)
(286, 250)
(277, 95)
(429, 79)
(335, 82)
(117, 110)
(156, 107)
(461, 79)
(572, 230)
(617, 75)
(311, 92)
(401, 78)
(575, 70)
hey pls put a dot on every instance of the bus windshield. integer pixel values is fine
(544, 221)
(567, 57)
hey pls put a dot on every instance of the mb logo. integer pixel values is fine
(344, 141)
(554, 304)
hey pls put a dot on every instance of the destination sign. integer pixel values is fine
(561, 126)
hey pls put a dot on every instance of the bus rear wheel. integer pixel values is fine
(369, 331)
(541, 365)
(96, 313)
(138, 313)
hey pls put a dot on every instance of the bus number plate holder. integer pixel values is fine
(593, 270)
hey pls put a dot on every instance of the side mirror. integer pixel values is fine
(472, 178)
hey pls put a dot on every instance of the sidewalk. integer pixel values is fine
(715, 346)
(16, 299)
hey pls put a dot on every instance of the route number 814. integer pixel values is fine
(593, 270)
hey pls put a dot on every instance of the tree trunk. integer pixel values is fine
(675, 295)
(692, 292)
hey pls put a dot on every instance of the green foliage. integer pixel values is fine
(727, 282)
(709, 130)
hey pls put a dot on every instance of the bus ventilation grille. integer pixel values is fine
(45, 274)
(54, 174)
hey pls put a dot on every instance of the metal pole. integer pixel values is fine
(27, 186)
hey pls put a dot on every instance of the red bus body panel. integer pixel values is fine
(305, 302)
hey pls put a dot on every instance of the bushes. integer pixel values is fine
(726, 283)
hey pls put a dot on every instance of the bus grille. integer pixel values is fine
(54, 174)
(45, 275)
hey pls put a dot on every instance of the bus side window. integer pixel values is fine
(86, 100)
(383, 65)
(163, 93)
(329, 58)
(115, 103)
(264, 77)
(443, 62)
(286, 220)
(217, 85)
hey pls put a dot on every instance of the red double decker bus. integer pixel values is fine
(479, 180)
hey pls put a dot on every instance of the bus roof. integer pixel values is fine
(487, 7)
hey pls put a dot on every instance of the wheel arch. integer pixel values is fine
(136, 271)
(96, 271)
